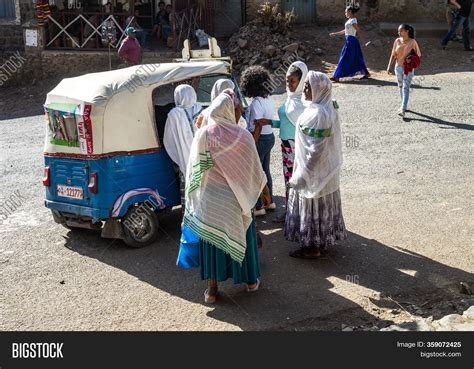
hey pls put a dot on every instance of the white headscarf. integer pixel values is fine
(220, 86)
(185, 96)
(224, 180)
(318, 147)
(180, 128)
(294, 105)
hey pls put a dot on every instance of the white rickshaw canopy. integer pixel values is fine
(114, 110)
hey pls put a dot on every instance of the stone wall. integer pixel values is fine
(31, 68)
(11, 38)
(22, 69)
(11, 30)
(330, 11)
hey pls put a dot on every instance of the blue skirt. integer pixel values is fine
(216, 264)
(352, 61)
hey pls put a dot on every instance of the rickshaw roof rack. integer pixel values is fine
(213, 52)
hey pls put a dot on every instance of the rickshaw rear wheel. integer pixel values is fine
(140, 226)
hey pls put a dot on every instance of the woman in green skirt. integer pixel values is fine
(224, 181)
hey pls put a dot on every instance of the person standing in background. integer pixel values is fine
(451, 12)
(130, 50)
(288, 115)
(403, 47)
(351, 62)
(314, 216)
(253, 82)
(463, 17)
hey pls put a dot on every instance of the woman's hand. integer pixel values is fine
(262, 122)
(332, 34)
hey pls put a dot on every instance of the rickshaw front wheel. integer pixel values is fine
(140, 226)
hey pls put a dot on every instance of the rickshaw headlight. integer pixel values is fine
(92, 183)
(46, 177)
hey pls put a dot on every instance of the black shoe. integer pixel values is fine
(469, 49)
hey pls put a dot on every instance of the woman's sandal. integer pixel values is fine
(300, 254)
(209, 298)
(255, 289)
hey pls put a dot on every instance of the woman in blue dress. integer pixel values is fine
(351, 62)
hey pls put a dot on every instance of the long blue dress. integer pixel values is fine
(352, 61)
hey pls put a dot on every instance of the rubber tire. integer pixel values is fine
(129, 239)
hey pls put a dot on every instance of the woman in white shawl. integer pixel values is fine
(314, 215)
(224, 181)
(180, 129)
(289, 113)
(219, 86)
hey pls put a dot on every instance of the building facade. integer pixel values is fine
(328, 11)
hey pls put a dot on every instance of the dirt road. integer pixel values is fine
(408, 204)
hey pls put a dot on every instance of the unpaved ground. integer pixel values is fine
(408, 204)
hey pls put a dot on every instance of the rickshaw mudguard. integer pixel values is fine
(147, 196)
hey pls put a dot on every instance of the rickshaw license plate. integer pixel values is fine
(70, 192)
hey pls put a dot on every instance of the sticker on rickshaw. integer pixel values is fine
(70, 125)
(84, 128)
(62, 126)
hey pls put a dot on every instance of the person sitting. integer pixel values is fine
(166, 29)
(159, 19)
(89, 29)
(130, 50)
(140, 32)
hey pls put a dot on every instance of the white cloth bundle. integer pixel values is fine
(224, 180)
(318, 146)
(180, 128)
(294, 105)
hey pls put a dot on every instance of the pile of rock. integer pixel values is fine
(461, 321)
(255, 44)
(451, 322)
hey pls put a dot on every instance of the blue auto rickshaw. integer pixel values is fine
(105, 164)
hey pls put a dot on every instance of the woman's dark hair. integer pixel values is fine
(254, 81)
(294, 70)
(409, 29)
(353, 8)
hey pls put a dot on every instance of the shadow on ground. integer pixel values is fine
(294, 292)
(413, 116)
